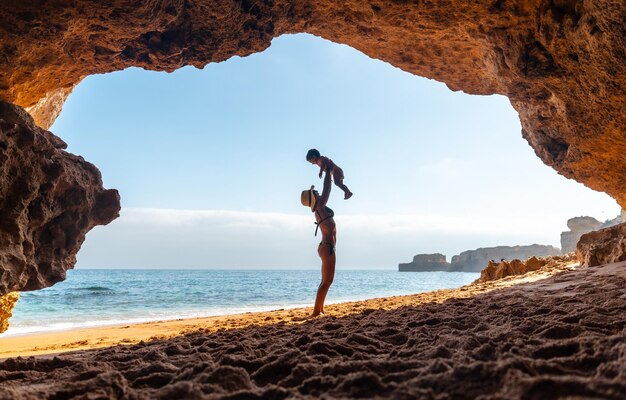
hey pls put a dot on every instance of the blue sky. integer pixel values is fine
(208, 160)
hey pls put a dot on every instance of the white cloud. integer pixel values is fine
(165, 238)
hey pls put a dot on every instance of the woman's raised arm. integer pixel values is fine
(326, 191)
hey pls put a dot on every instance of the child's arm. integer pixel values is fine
(323, 167)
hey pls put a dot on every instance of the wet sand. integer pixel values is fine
(559, 336)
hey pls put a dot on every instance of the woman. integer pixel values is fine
(326, 249)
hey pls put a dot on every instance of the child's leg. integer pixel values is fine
(345, 189)
(338, 176)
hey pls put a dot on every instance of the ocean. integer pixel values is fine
(89, 298)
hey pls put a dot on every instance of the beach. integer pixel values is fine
(86, 338)
(100, 298)
(547, 333)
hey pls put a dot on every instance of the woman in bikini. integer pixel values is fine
(326, 249)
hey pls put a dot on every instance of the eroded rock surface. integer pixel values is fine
(7, 302)
(605, 246)
(498, 270)
(49, 199)
(561, 63)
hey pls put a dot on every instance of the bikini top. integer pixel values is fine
(330, 213)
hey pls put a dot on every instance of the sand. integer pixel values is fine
(544, 337)
(89, 338)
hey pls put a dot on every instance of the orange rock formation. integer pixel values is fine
(605, 246)
(560, 62)
(500, 270)
(7, 302)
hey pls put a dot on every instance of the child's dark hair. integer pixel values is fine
(311, 154)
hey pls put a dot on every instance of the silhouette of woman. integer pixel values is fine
(326, 249)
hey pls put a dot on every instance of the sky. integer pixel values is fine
(210, 163)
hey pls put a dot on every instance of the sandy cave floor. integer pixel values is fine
(562, 337)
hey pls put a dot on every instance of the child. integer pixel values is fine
(326, 164)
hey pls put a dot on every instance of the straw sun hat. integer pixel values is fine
(307, 198)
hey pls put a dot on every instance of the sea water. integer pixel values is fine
(89, 297)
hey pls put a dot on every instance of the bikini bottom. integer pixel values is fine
(331, 247)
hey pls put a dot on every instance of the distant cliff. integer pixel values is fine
(476, 260)
(426, 262)
(578, 226)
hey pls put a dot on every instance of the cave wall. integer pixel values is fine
(604, 246)
(49, 200)
(560, 62)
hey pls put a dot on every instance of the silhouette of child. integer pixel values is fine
(326, 164)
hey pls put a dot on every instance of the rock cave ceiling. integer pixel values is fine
(560, 62)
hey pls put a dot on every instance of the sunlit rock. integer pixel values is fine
(7, 302)
(498, 270)
(605, 246)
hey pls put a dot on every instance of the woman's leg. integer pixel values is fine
(327, 254)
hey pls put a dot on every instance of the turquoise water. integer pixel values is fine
(107, 297)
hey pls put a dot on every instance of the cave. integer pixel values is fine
(561, 64)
